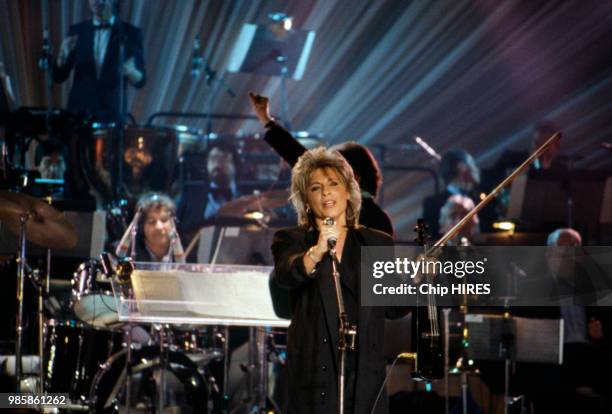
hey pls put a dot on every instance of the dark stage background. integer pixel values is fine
(460, 74)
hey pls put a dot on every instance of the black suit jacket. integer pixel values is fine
(313, 333)
(290, 149)
(90, 96)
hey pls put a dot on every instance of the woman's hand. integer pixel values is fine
(261, 106)
(315, 253)
(326, 232)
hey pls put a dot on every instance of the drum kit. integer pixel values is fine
(86, 357)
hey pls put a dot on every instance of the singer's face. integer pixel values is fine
(157, 226)
(328, 195)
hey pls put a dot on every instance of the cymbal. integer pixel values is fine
(244, 206)
(46, 226)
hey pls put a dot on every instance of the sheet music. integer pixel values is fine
(539, 340)
(221, 294)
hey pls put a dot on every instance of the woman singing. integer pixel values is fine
(323, 186)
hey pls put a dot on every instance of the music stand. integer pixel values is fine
(511, 338)
(198, 294)
(235, 245)
(270, 50)
(551, 200)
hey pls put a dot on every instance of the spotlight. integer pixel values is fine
(504, 225)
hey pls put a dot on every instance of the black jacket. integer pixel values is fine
(313, 333)
(93, 97)
(290, 149)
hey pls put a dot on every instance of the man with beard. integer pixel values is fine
(201, 200)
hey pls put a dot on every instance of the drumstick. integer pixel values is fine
(192, 243)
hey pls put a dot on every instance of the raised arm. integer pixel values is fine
(281, 140)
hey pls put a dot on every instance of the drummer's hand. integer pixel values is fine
(130, 70)
(261, 106)
(68, 45)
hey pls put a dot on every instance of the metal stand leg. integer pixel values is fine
(43, 294)
(128, 370)
(464, 392)
(446, 312)
(162, 371)
(506, 386)
(260, 390)
(21, 260)
(226, 369)
(283, 87)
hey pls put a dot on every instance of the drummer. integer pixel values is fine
(156, 238)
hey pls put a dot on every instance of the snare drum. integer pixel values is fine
(73, 355)
(92, 297)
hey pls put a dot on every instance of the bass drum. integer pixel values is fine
(73, 355)
(148, 159)
(185, 388)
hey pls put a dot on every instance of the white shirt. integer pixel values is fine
(101, 39)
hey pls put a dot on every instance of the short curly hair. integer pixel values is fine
(307, 164)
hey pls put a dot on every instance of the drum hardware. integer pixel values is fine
(46, 226)
(92, 297)
(256, 207)
(73, 355)
(109, 387)
(41, 224)
(201, 344)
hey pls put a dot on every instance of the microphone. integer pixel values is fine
(331, 242)
(196, 59)
(128, 238)
(176, 245)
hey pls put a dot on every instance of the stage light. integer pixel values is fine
(504, 225)
(254, 215)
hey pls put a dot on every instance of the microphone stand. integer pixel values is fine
(133, 235)
(346, 332)
(217, 84)
(122, 105)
